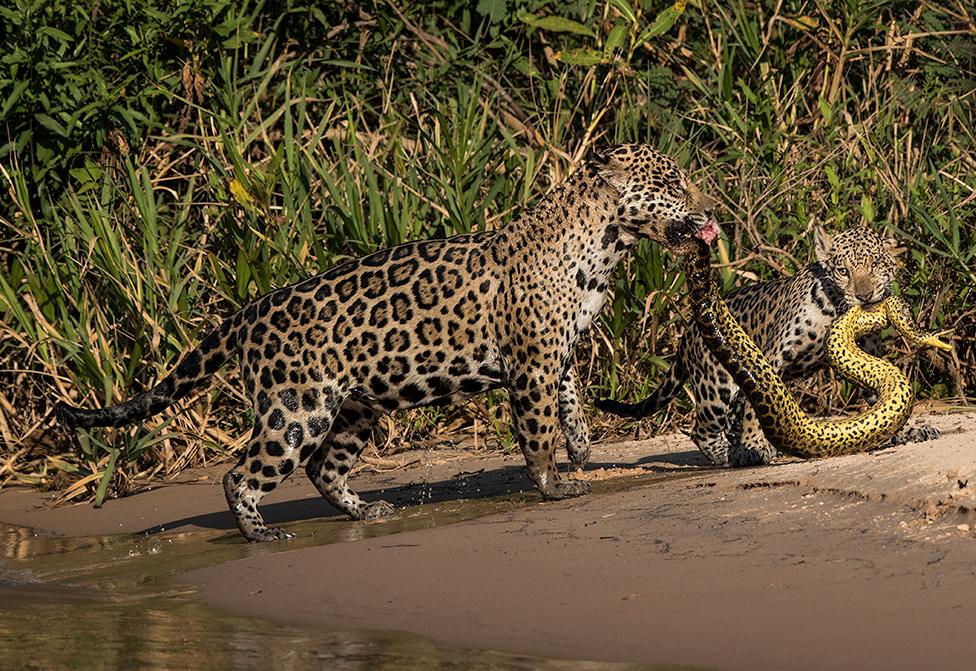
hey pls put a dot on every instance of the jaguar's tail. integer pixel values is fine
(659, 398)
(195, 368)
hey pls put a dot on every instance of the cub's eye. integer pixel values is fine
(843, 271)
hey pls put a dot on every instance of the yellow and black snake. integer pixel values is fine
(785, 425)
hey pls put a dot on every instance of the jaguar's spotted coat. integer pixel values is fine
(788, 319)
(429, 322)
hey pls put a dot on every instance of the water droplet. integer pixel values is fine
(428, 464)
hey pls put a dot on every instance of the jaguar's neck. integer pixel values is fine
(575, 225)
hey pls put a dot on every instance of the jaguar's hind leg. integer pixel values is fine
(285, 427)
(328, 467)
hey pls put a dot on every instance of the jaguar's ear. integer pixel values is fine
(822, 242)
(701, 202)
(609, 168)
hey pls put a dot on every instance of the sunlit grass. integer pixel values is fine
(272, 145)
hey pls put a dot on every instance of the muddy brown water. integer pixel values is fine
(117, 602)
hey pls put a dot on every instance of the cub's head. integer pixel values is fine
(657, 199)
(862, 263)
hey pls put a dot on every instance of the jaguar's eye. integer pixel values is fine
(842, 271)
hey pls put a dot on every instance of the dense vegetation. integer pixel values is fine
(165, 162)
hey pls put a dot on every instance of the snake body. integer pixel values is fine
(784, 423)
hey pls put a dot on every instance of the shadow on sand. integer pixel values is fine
(481, 484)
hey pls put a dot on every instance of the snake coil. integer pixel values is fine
(784, 423)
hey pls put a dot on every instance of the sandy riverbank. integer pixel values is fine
(867, 561)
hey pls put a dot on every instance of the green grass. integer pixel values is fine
(163, 165)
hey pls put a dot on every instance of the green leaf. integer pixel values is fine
(581, 56)
(495, 10)
(13, 97)
(59, 35)
(320, 16)
(557, 24)
(50, 124)
(828, 113)
(106, 479)
(625, 10)
(87, 177)
(615, 39)
(832, 177)
(525, 67)
(867, 208)
(663, 22)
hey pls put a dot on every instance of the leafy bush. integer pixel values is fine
(167, 162)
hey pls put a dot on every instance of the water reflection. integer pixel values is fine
(23, 543)
(116, 602)
(125, 562)
(44, 628)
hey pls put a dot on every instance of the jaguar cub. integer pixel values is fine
(428, 323)
(788, 318)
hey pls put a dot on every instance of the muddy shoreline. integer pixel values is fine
(866, 561)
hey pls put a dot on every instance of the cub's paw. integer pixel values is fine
(924, 433)
(717, 455)
(269, 534)
(740, 457)
(915, 434)
(377, 510)
(566, 489)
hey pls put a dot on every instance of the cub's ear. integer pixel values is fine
(822, 242)
(895, 247)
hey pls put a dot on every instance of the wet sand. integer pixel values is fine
(866, 561)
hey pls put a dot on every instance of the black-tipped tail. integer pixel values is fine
(621, 409)
(659, 398)
(142, 406)
(196, 367)
(66, 415)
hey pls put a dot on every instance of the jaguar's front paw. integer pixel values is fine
(378, 510)
(578, 456)
(269, 534)
(717, 457)
(566, 489)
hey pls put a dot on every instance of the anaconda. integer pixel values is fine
(784, 423)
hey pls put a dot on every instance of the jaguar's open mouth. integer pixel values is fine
(709, 232)
(680, 235)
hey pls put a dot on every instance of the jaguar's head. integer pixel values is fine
(862, 263)
(657, 199)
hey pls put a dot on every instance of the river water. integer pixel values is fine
(112, 602)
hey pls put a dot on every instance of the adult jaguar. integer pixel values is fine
(788, 319)
(430, 322)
